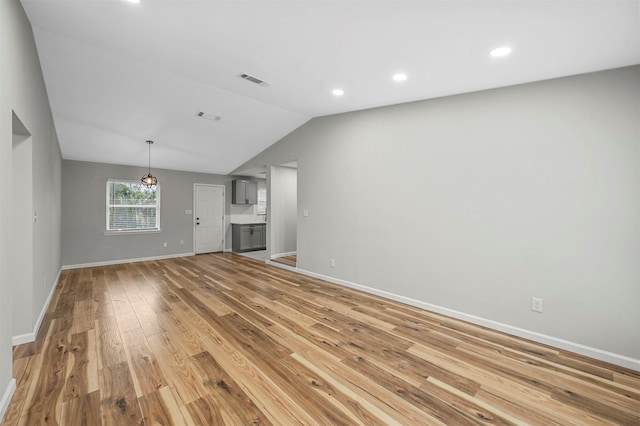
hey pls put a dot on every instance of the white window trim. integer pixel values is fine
(261, 209)
(133, 232)
(109, 232)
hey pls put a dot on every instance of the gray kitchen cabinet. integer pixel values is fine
(244, 192)
(248, 237)
(257, 240)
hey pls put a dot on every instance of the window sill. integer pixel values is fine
(136, 232)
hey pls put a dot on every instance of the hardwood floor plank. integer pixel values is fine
(77, 380)
(66, 298)
(83, 316)
(625, 397)
(287, 260)
(263, 347)
(148, 319)
(222, 339)
(176, 367)
(93, 364)
(569, 384)
(111, 350)
(45, 404)
(270, 357)
(629, 379)
(183, 335)
(118, 404)
(538, 410)
(252, 379)
(82, 411)
(596, 407)
(382, 353)
(473, 407)
(433, 407)
(204, 411)
(145, 371)
(160, 409)
(222, 387)
(360, 408)
(526, 403)
(25, 371)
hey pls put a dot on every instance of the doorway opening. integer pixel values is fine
(23, 219)
(283, 208)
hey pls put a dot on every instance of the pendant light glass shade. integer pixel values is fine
(149, 180)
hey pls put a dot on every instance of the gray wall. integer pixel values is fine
(283, 207)
(22, 91)
(83, 218)
(477, 202)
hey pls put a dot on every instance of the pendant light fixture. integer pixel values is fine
(149, 180)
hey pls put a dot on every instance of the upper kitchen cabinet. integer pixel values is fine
(244, 192)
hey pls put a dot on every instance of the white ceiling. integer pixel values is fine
(118, 73)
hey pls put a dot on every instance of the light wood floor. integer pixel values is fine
(224, 339)
(287, 260)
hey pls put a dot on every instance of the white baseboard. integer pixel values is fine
(621, 360)
(6, 398)
(291, 253)
(31, 337)
(121, 261)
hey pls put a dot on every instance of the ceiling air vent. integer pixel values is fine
(253, 79)
(209, 116)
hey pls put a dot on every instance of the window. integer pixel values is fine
(131, 206)
(262, 201)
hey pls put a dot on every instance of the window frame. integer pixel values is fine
(108, 205)
(261, 202)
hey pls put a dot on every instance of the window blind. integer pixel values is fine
(132, 206)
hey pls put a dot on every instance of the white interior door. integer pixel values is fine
(209, 218)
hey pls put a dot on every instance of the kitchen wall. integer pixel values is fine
(283, 202)
(472, 204)
(84, 215)
(242, 213)
(28, 137)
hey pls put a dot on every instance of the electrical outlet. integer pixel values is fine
(305, 213)
(536, 304)
(332, 263)
(164, 244)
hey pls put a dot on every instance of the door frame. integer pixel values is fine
(276, 211)
(224, 215)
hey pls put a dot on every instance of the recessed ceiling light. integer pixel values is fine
(338, 92)
(500, 51)
(399, 77)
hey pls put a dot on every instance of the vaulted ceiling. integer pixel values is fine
(119, 73)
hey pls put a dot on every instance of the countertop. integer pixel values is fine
(248, 223)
